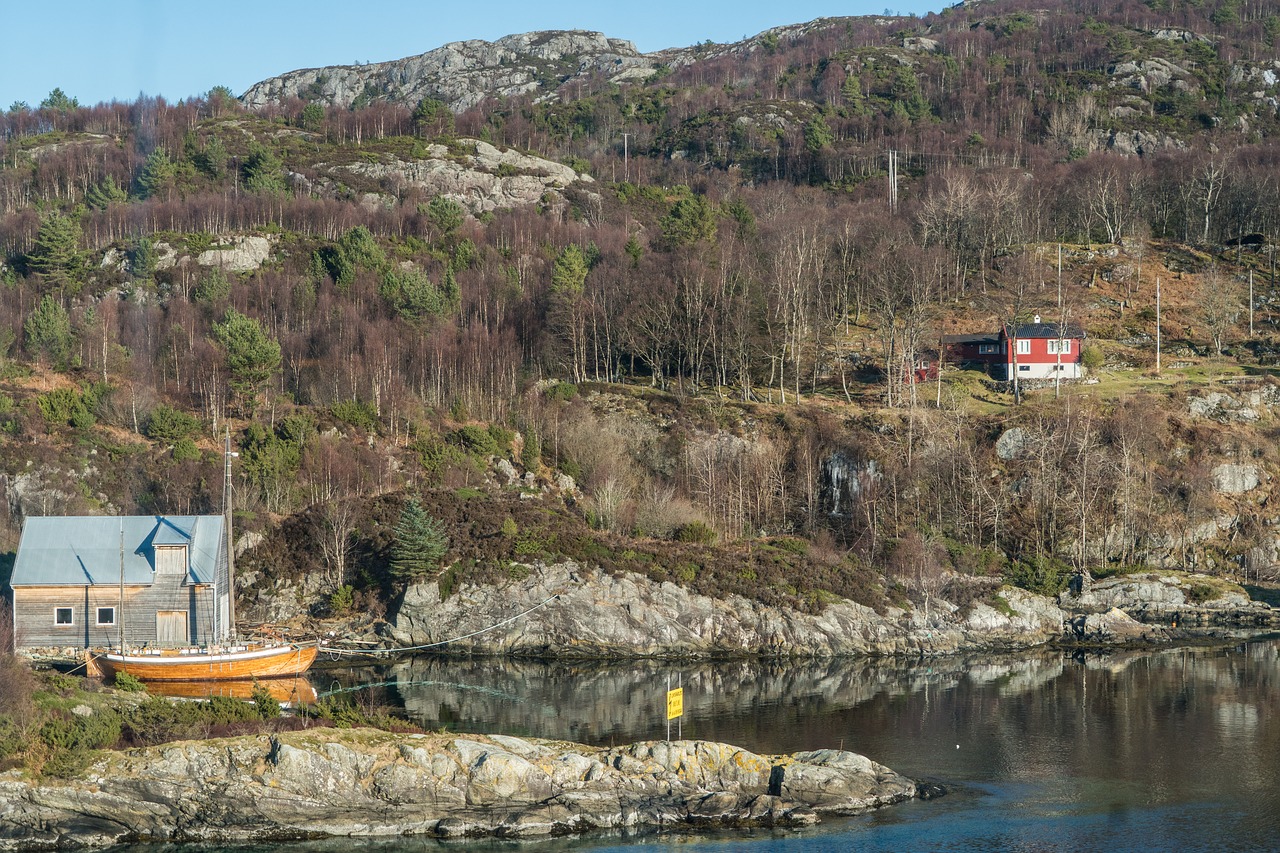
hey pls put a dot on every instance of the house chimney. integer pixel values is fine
(1036, 320)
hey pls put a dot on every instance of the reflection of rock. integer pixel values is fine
(361, 783)
(604, 703)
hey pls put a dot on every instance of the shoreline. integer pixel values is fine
(369, 783)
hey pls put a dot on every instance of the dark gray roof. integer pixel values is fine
(80, 550)
(1046, 330)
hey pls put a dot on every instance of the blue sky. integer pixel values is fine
(104, 50)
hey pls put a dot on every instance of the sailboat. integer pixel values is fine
(230, 660)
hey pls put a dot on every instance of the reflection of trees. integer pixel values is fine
(1162, 726)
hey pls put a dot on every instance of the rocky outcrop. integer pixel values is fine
(463, 73)
(363, 783)
(1167, 598)
(577, 611)
(476, 174)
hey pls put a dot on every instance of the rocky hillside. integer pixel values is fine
(462, 74)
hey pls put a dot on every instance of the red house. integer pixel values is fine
(1039, 351)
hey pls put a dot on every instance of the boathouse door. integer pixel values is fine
(171, 627)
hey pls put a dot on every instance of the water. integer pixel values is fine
(1168, 750)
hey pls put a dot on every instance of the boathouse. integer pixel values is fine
(91, 581)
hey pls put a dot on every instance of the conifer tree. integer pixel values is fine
(420, 543)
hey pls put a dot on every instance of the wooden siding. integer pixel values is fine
(171, 560)
(34, 609)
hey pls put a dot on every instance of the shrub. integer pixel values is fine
(342, 599)
(565, 391)
(1199, 593)
(170, 426)
(475, 440)
(697, 532)
(1041, 574)
(355, 413)
(128, 683)
(263, 702)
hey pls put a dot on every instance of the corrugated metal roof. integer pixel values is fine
(79, 550)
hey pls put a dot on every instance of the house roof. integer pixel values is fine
(1047, 330)
(985, 338)
(85, 550)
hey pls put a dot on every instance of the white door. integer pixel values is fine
(171, 627)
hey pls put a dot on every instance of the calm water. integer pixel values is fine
(1170, 750)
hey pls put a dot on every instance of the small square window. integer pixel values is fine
(64, 616)
(106, 616)
(1024, 346)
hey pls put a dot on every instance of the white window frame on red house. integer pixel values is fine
(1061, 346)
(1024, 346)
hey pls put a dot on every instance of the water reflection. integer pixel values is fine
(1043, 751)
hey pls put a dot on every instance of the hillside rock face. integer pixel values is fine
(461, 74)
(582, 612)
(363, 783)
(481, 178)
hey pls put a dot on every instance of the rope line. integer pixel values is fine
(379, 652)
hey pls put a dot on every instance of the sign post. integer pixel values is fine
(675, 708)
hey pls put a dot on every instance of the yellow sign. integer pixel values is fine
(675, 703)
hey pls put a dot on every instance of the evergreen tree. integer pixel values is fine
(818, 135)
(420, 544)
(48, 331)
(56, 254)
(58, 100)
(157, 176)
(569, 273)
(252, 356)
(264, 172)
(432, 117)
(104, 194)
(213, 159)
(691, 219)
(142, 260)
(312, 116)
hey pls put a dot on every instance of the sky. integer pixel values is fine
(105, 50)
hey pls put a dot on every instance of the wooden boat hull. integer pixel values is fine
(242, 664)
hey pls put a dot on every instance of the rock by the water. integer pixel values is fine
(365, 783)
(574, 611)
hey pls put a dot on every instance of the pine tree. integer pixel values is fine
(56, 255)
(420, 543)
(48, 330)
(252, 356)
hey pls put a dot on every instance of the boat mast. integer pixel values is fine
(120, 615)
(228, 455)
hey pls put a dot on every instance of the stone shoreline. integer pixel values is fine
(363, 783)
